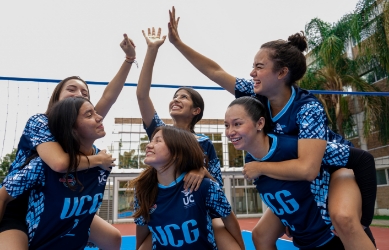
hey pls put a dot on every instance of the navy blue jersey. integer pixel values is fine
(57, 217)
(303, 116)
(183, 220)
(35, 132)
(300, 205)
(205, 143)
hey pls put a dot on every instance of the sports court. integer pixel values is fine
(246, 224)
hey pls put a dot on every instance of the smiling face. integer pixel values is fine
(182, 105)
(89, 124)
(72, 88)
(266, 81)
(157, 152)
(240, 129)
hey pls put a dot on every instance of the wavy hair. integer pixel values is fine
(186, 154)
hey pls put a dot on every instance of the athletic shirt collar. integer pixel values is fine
(284, 109)
(173, 183)
(273, 145)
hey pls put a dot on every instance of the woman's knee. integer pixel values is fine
(264, 237)
(13, 239)
(224, 240)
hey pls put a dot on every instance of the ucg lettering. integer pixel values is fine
(190, 233)
(78, 206)
(289, 206)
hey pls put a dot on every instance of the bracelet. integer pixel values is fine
(133, 61)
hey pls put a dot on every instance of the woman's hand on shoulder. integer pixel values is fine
(107, 161)
(251, 170)
(128, 47)
(193, 179)
(153, 40)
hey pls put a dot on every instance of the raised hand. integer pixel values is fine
(173, 26)
(153, 40)
(128, 47)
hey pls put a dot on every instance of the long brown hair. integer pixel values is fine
(57, 91)
(62, 121)
(185, 154)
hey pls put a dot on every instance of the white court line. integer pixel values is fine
(278, 238)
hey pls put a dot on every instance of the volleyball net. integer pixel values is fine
(126, 139)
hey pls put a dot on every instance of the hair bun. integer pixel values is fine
(298, 40)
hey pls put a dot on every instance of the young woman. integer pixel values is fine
(177, 218)
(277, 66)
(298, 204)
(186, 109)
(61, 206)
(37, 137)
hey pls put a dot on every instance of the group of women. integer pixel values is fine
(303, 171)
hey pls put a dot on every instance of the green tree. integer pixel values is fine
(6, 162)
(129, 159)
(331, 69)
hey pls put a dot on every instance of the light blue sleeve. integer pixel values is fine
(25, 179)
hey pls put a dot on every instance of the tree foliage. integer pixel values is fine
(6, 162)
(133, 158)
(336, 65)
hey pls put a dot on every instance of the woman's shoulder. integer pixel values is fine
(38, 118)
(37, 121)
(208, 185)
(303, 96)
(201, 137)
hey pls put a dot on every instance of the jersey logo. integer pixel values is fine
(153, 208)
(102, 178)
(71, 180)
(278, 128)
(188, 199)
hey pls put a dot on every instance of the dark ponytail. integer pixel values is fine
(289, 54)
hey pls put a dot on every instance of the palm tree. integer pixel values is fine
(129, 159)
(333, 66)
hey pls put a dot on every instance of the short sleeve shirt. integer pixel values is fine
(181, 219)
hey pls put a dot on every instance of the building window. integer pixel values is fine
(216, 139)
(131, 149)
(245, 197)
(236, 157)
(382, 177)
(374, 75)
(350, 127)
(125, 205)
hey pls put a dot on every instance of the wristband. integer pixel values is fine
(134, 61)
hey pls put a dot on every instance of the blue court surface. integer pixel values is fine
(128, 243)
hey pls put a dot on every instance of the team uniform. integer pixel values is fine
(205, 143)
(300, 205)
(57, 217)
(183, 220)
(35, 132)
(304, 116)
